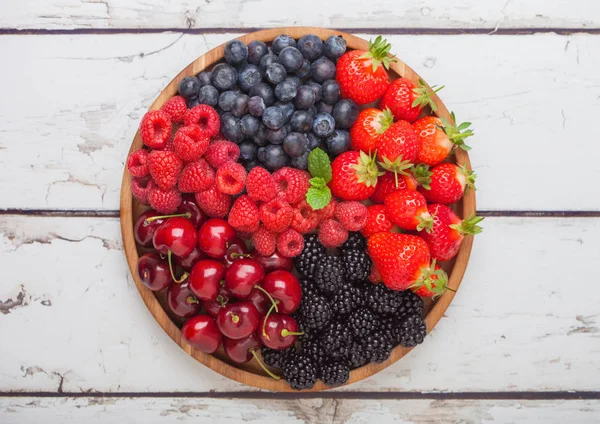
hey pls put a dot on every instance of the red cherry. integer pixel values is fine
(284, 287)
(188, 262)
(201, 332)
(240, 350)
(176, 235)
(236, 249)
(205, 279)
(188, 205)
(242, 276)
(260, 301)
(182, 301)
(278, 331)
(143, 231)
(238, 320)
(214, 306)
(274, 262)
(154, 272)
(213, 237)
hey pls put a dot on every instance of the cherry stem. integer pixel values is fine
(262, 365)
(190, 300)
(452, 290)
(221, 301)
(235, 318)
(154, 218)
(273, 301)
(183, 277)
(264, 331)
(240, 255)
(285, 333)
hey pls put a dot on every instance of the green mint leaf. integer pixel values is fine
(318, 198)
(319, 165)
(317, 182)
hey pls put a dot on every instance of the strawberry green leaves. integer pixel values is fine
(318, 195)
(456, 134)
(379, 50)
(424, 95)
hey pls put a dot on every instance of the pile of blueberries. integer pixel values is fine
(278, 102)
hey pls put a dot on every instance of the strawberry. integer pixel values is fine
(362, 74)
(437, 137)
(354, 176)
(369, 127)
(446, 183)
(399, 258)
(433, 282)
(406, 100)
(387, 184)
(448, 232)
(408, 210)
(378, 222)
(398, 148)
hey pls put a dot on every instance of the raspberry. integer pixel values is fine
(140, 187)
(293, 184)
(206, 117)
(377, 222)
(276, 215)
(290, 243)
(305, 219)
(243, 215)
(196, 176)
(155, 129)
(214, 203)
(190, 143)
(352, 215)
(264, 241)
(231, 178)
(220, 152)
(137, 163)
(176, 108)
(164, 201)
(328, 211)
(261, 185)
(164, 166)
(332, 233)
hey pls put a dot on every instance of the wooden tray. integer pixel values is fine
(251, 373)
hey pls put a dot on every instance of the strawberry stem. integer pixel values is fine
(378, 53)
(423, 175)
(434, 280)
(469, 175)
(366, 169)
(183, 277)
(154, 218)
(468, 226)
(263, 366)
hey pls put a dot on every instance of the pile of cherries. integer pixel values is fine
(228, 295)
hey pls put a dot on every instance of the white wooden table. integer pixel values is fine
(520, 343)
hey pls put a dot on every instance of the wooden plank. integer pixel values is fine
(72, 320)
(69, 14)
(64, 150)
(335, 411)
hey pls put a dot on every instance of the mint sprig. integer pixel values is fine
(318, 195)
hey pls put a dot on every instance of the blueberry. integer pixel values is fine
(305, 97)
(236, 52)
(240, 105)
(226, 100)
(281, 42)
(301, 121)
(315, 141)
(266, 61)
(322, 70)
(276, 136)
(250, 125)
(261, 154)
(275, 157)
(295, 144)
(316, 87)
(345, 113)
(331, 92)
(260, 138)
(313, 111)
(249, 164)
(264, 91)
(256, 106)
(208, 95)
(189, 87)
(275, 73)
(224, 77)
(304, 71)
(287, 108)
(291, 59)
(286, 90)
(249, 76)
(273, 118)
(193, 102)
(256, 50)
(231, 128)
(323, 125)
(324, 107)
(334, 47)
(294, 80)
(300, 162)
(203, 78)
(311, 46)
(338, 142)
(248, 150)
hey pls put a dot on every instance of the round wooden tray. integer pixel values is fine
(251, 373)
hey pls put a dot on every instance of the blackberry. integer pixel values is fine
(357, 355)
(300, 371)
(337, 339)
(377, 346)
(309, 288)
(412, 331)
(357, 264)
(275, 358)
(355, 241)
(383, 300)
(362, 322)
(329, 274)
(335, 373)
(311, 255)
(411, 304)
(316, 312)
(301, 322)
(345, 300)
(313, 348)
(391, 328)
